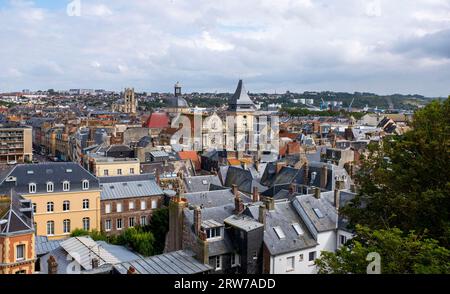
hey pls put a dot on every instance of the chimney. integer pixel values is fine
(324, 176)
(158, 178)
(337, 198)
(197, 220)
(262, 214)
(234, 189)
(95, 263)
(238, 205)
(131, 271)
(52, 265)
(306, 174)
(257, 165)
(270, 203)
(181, 175)
(317, 193)
(255, 195)
(292, 189)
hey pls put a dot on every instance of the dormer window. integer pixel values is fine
(213, 233)
(32, 188)
(85, 184)
(50, 187)
(66, 186)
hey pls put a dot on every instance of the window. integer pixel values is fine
(119, 224)
(119, 171)
(21, 272)
(85, 184)
(34, 207)
(108, 225)
(20, 252)
(343, 239)
(218, 263)
(300, 257)
(50, 228)
(32, 188)
(235, 260)
(279, 232)
(66, 186)
(106, 172)
(66, 205)
(131, 221)
(297, 229)
(108, 208)
(131, 205)
(312, 256)
(131, 171)
(66, 226)
(86, 223)
(50, 207)
(143, 205)
(213, 233)
(318, 213)
(290, 264)
(119, 207)
(85, 203)
(143, 220)
(154, 204)
(50, 187)
(255, 255)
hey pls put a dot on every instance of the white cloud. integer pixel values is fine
(347, 45)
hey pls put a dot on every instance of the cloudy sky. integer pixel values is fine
(380, 46)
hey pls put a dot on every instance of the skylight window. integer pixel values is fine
(318, 213)
(297, 229)
(205, 182)
(279, 232)
(30, 172)
(69, 170)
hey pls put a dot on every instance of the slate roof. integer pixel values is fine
(243, 222)
(40, 174)
(117, 179)
(214, 198)
(283, 217)
(243, 179)
(129, 189)
(172, 167)
(177, 262)
(16, 214)
(201, 183)
(44, 245)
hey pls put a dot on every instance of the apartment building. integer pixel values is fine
(109, 166)
(64, 196)
(15, 143)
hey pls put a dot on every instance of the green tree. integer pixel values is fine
(405, 183)
(137, 239)
(159, 226)
(400, 254)
(94, 234)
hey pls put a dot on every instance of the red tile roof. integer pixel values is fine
(193, 156)
(157, 120)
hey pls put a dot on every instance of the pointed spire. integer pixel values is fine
(240, 100)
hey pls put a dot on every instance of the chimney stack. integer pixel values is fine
(197, 221)
(52, 265)
(324, 176)
(234, 189)
(292, 189)
(270, 203)
(306, 175)
(317, 192)
(238, 205)
(262, 214)
(337, 198)
(95, 263)
(255, 195)
(158, 178)
(131, 271)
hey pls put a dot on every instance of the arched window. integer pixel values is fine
(66, 226)
(50, 187)
(66, 186)
(66, 205)
(50, 206)
(32, 188)
(85, 184)
(86, 224)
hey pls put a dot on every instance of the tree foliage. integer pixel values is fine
(400, 254)
(405, 183)
(159, 226)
